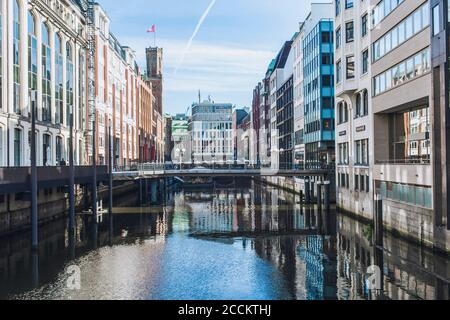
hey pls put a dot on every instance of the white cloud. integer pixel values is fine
(209, 67)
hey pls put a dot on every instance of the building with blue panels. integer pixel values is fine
(318, 70)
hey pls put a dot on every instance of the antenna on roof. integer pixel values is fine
(199, 97)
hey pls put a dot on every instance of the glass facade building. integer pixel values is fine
(318, 69)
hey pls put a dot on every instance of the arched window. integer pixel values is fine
(59, 84)
(32, 55)
(16, 57)
(69, 82)
(358, 109)
(46, 75)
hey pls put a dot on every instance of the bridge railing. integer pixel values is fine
(160, 167)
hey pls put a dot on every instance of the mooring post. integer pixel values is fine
(307, 193)
(319, 195)
(34, 184)
(378, 221)
(140, 192)
(110, 180)
(327, 187)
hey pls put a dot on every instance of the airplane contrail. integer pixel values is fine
(197, 28)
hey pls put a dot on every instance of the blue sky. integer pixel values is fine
(230, 53)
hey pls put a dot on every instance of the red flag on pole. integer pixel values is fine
(152, 30)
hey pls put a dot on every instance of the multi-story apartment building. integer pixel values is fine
(285, 120)
(264, 116)
(440, 55)
(41, 51)
(116, 95)
(402, 115)
(318, 74)
(211, 131)
(146, 102)
(299, 108)
(256, 120)
(277, 78)
(353, 90)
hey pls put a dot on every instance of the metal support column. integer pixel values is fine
(378, 221)
(319, 195)
(34, 184)
(71, 178)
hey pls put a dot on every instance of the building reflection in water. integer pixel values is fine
(314, 255)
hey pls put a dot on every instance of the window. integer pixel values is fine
(365, 61)
(338, 71)
(338, 7)
(364, 26)
(16, 58)
(413, 24)
(69, 83)
(17, 147)
(32, 56)
(59, 85)
(343, 153)
(362, 152)
(349, 34)
(366, 102)
(436, 20)
(338, 38)
(326, 37)
(342, 112)
(348, 4)
(404, 71)
(46, 150)
(46, 75)
(382, 9)
(59, 148)
(350, 67)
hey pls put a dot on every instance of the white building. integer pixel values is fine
(212, 133)
(41, 50)
(353, 91)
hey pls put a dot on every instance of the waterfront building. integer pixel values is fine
(211, 132)
(180, 135)
(245, 137)
(155, 76)
(353, 107)
(318, 74)
(146, 103)
(299, 108)
(256, 120)
(440, 53)
(403, 113)
(42, 51)
(168, 140)
(278, 77)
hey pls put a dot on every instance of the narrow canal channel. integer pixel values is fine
(252, 242)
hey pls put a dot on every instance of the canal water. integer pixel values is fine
(252, 242)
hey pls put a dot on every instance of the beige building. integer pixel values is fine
(354, 131)
(402, 113)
